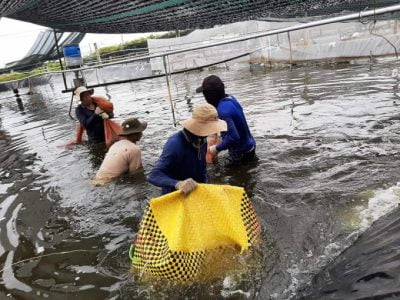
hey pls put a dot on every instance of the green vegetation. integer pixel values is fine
(49, 66)
(12, 76)
(139, 43)
(107, 54)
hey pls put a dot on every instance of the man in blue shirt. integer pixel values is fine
(182, 163)
(90, 115)
(238, 139)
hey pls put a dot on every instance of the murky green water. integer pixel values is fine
(327, 146)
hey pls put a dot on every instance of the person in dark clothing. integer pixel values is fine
(90, 115)
(238, 139)
(182, 163)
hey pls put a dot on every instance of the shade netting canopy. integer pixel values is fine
(44, 49)
(131, 16)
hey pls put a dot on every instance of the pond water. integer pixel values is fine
(328, 151)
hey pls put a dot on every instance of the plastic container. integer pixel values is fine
(72, 56)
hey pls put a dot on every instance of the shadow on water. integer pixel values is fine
(327, 146)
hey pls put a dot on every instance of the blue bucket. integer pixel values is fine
(72, 56)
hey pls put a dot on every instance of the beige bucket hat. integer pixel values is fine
(81, 90)
(204, 121)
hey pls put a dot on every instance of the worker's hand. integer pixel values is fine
(98, 110)
(104, 115)
(213, 150)
(186, 186)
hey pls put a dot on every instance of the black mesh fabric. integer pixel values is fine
(125, 16)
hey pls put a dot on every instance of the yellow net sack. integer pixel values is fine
(186, 238)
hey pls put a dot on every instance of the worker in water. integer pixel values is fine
(237, 139)
(182, 163)
(124, 156)
(90, 115)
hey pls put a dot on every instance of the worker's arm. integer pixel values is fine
(230, 137)
(159, 174)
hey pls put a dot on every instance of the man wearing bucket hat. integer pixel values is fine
(182, 163)
(238, 139)
(124, 156)
(90, 115)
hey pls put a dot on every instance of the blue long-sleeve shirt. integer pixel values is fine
(237, 139)
(179, 160)
(92, 123)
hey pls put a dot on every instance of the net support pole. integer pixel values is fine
(290, 50)
(269, 51)
(167, 76)
(59, 58)
(98, 57)
(70, 107)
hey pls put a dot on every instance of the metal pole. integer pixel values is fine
(162, 75)
(169, 89)
(290, 50)
(269, 51)
(97, 53)
(357, 15)
(59, 58)
(70, 107)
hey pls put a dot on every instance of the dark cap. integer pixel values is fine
(132, 125)
(211, 83)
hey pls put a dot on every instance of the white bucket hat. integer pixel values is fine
(204, 121)
(81, 90)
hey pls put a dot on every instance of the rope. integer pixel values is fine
(372, 27)
(131, 250)
(46, 255)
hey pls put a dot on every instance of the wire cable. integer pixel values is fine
(372, 27)
(46, 255)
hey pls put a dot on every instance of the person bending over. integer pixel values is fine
(124, 156)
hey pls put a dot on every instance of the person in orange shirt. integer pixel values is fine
(124, 156)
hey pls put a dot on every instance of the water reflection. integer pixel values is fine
(324, 135)
(96, 154)
(20, 104)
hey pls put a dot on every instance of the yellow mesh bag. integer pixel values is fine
(186, 238)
